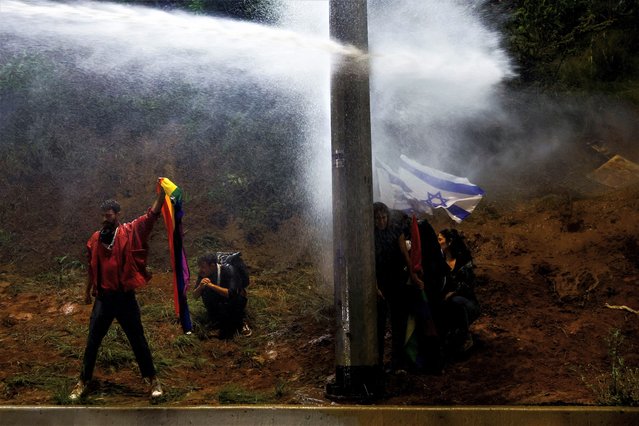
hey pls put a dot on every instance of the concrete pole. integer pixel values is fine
(359, 374)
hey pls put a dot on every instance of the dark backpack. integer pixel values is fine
(235, 260)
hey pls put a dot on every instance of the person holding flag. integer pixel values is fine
(392, 270)
(117, 255)
(423, 345)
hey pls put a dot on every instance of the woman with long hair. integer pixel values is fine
(459, 303)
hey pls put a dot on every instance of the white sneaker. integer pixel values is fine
(78, 391)
(156, 388)
(246, 330)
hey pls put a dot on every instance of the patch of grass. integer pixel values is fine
(235, 394)
(50, 378)
(67, 350)
(620, 384)
(68, 270)
(163, 362)
(281, 389)
(115, 351)
(267, 307)
(161, 348)
(65, 341)
(172, 353)
(278, 306)
(310, 300)
(186, 345)
(156, 312)
(12, 384)
(199, 319)
(200, 363)
(67, 273)
(61, 395)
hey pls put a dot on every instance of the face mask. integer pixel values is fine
(106, 235)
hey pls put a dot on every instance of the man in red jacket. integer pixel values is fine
(117, 266)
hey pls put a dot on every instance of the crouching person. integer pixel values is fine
(222, 288)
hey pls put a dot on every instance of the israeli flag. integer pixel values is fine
(420, 188)
(391, 189)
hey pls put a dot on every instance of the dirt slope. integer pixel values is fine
(547, 267)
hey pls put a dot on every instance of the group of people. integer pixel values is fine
(117, 256)
(431, 303)
(437, 298)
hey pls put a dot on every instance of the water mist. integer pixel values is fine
(433, 64)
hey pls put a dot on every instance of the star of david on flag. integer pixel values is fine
(432, 200)
(416, 187)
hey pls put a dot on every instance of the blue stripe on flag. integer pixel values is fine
(458, 212)
(444, 184)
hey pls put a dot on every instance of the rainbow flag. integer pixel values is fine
(172, 213)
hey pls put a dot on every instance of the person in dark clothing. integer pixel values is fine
(392, 270)
(460, 307)
(223, 295)
(433, 263)
(423, 302)
(117, 257)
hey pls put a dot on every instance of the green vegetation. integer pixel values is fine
(68, 270)
(620, 384)
(185, 345)
(50, 378)
(585, 45)
(115, 351)
(14, 383)
(274, 307)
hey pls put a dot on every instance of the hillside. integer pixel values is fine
(547, 267)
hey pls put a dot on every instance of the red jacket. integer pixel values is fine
(130, 249)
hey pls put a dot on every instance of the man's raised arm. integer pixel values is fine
(159, 201)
